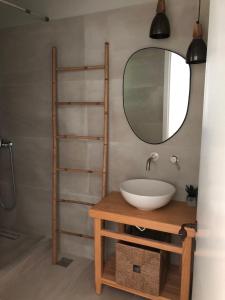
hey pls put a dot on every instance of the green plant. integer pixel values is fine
(192, 192)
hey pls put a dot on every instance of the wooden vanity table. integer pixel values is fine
(168, 219)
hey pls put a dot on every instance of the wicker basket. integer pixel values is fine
(143, 269)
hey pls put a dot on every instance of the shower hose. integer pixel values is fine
(6, 203)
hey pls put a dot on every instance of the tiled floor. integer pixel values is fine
(35, 278)
(14, 248)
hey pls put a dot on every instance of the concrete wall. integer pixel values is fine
(25, 100)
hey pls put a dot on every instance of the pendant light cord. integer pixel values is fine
(199, 11)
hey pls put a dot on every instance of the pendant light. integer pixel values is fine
(197, 50)
(160, 28)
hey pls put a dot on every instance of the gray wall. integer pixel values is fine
(25, 100)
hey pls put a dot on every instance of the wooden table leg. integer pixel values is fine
(186, 269)
(98, 256)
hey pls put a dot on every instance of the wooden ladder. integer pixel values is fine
(56, 136)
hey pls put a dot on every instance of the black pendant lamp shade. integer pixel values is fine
(160, 28)
(197, 51)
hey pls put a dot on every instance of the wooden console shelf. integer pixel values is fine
(168, 219)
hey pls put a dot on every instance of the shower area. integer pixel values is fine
(14, 245)
(20, 234)
(26, 136)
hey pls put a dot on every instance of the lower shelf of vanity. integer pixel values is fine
(170, 291)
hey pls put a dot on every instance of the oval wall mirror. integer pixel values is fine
(156, 90)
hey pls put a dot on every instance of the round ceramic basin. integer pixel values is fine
(147, 194)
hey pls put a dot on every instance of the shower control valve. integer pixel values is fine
(5, 143)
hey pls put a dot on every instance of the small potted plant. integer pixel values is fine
(192, 195)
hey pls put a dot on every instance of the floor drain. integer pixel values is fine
(64, 262)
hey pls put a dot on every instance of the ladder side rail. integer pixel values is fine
(106, 122)
(54, 157)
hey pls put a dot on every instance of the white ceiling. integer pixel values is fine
(58, 9)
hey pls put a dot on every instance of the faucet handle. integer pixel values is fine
(175, 161)
(154, 156)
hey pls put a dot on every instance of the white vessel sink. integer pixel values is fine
(147, 194)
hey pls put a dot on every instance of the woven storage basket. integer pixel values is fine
(142, 269)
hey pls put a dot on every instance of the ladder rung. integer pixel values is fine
(75, 202)
(76, 137)
(69, 170)
(76, 234)
(78, 69)
(68, 103)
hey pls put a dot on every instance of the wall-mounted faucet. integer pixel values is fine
(5, 143)
(153, 158)
(175, 161)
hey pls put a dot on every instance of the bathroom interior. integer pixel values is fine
(109, 146)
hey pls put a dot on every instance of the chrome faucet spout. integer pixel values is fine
(148, 164)
(154, 157)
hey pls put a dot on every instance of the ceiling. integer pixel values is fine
(58, 9)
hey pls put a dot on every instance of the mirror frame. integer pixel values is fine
(189, 96)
